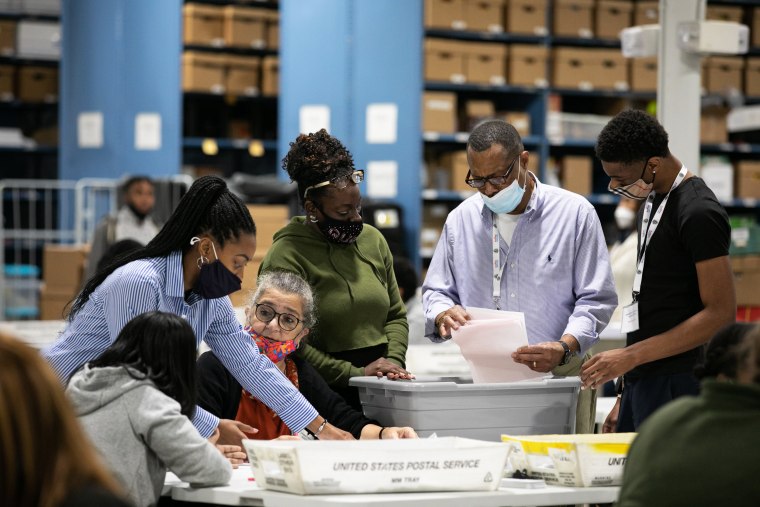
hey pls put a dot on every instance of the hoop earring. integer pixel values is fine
(201, 261)
(313, 219)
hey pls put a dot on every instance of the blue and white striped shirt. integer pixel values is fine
(556, 271)
(158, 284)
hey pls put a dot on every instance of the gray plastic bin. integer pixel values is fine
(457, 407)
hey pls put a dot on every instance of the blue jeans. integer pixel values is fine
(642, 396)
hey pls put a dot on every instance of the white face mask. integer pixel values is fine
(625, 218)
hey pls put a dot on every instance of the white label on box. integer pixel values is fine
(148, 131)
(382, 123)
(382, 178)
(439, 105)
(90, 130)
(313, 118)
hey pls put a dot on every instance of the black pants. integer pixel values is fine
(644, 395)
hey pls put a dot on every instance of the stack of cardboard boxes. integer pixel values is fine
(232, 26)
(28, 83)
(62, 271)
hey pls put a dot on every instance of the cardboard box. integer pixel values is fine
(7, 37)
(455, 163)
(577, 171)
(433, 219)
(644, 74)
(722, 73)
(7, 82)
(718, 175)
(38, 39)
(520, 120)
(38, 84)
(273, 30)
(243, 75)
(646, 13)
(270, 76)
(474, 112)
(375, 466)
(746, 279)
(53, 302)
(573, 18)
(572, 460)
(611, 17)
(444, 61)
(484, 15)
(725, 13)
(527, 65)
(752, 77)
(203, 25)
(446, 14)
(203, 72)
(63, 267)
(245, 26)
(755, 28)
(590, 69)
(712, 125)
(485, 63)
(526, 17)
(439, 112)
(748, 179)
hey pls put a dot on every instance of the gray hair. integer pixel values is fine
(491, 132)
(288, 282)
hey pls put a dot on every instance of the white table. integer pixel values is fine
(37, 333)
(242, 491)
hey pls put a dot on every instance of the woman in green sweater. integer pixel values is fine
(362, 328)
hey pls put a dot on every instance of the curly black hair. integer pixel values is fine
(632, 136)
(314, 158)
(722, 355)
(492, 132)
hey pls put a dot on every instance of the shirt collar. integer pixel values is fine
(534, 203)
(175, 277)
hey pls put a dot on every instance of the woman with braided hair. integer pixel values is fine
(362, 328)
(192, 265)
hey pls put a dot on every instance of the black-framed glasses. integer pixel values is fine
(496, 181)
(266, 313)
(339, 181)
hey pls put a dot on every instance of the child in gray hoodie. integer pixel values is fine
(134, 402)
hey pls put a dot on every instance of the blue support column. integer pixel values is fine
(347, 54)
(121, 58)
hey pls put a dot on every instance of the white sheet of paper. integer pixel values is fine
(382, 179)
(148, 131)
(90, 129)
(382, 123)
(487, 343)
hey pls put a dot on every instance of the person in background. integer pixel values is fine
(362, 328)
(522, 246)
(134, 402)
(623, 255)
(45, 458)
(279, 317)
(188, 269)
(701, 450)
(131, 221)
(683, 285)
(411, 295)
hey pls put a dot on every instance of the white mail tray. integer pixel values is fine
(457, 407)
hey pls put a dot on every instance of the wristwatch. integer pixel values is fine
(568, 353)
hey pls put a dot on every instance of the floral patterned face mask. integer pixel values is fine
(275, 350)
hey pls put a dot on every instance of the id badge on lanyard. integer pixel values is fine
(630, 321)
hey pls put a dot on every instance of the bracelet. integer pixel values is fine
(380, 436)
(321, 427)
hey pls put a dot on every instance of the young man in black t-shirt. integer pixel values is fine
(683, 290)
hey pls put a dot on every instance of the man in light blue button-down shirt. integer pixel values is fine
(551, 261)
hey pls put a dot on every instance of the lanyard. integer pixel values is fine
(497, 268)
(648, 228)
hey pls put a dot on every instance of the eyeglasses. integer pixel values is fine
(496, 181)
(338, 181)
(266, 314)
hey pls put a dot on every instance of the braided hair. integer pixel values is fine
(314, 158)
(207, 208)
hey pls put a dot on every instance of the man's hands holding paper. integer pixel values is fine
(451, 319)
(544, 356)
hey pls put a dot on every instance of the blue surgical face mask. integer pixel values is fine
(506, 199)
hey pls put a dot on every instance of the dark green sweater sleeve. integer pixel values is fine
(396, 326)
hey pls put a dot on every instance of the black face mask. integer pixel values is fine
(340, 231)
(215, 280)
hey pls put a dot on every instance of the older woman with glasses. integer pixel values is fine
(279, 318)
(362, 328)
